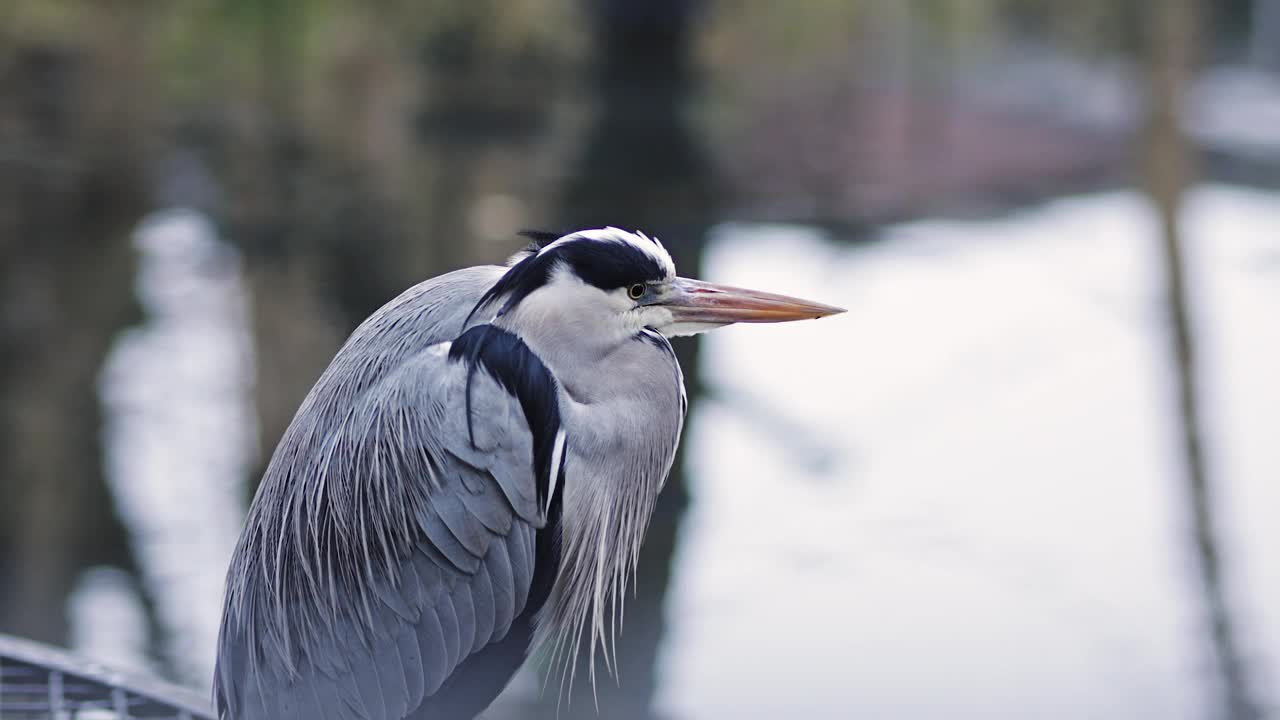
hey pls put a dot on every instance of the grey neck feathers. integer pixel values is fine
(622, 412)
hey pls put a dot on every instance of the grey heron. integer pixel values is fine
(470, 478)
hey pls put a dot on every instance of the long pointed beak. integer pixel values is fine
(696, 302)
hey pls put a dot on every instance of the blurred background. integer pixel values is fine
(1031, 473)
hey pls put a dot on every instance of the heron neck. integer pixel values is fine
(601, 376)
(622, 412)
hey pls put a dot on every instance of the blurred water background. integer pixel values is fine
(1032, 473)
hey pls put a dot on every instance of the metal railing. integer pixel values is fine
(38, 681)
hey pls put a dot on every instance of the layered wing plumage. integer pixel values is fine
(389, 567)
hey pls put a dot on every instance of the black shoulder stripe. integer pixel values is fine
(547, 554)
(510, 362)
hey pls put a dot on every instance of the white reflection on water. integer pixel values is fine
(1006, 535)
(180, 427)
(965, 501)
(107, 621)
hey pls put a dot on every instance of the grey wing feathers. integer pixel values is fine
(433, 589)
(459, 584)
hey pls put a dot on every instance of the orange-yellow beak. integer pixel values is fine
(696, 305)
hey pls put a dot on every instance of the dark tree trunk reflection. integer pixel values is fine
(641, 166)
(1168, 175)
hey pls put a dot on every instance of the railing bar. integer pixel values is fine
(40, 706)
(55, 694)
(121, 702)
(33, 673)
(31, 688)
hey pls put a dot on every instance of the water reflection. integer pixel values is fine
(1007, 535)
(179, 430)
(1028, 574)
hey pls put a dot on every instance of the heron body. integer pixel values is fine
(470, 478)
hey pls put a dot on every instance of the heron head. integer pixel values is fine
(591, 306)
(613, 283)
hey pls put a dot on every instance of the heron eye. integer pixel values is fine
(636, 291)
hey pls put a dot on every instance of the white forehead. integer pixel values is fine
(637, 239)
